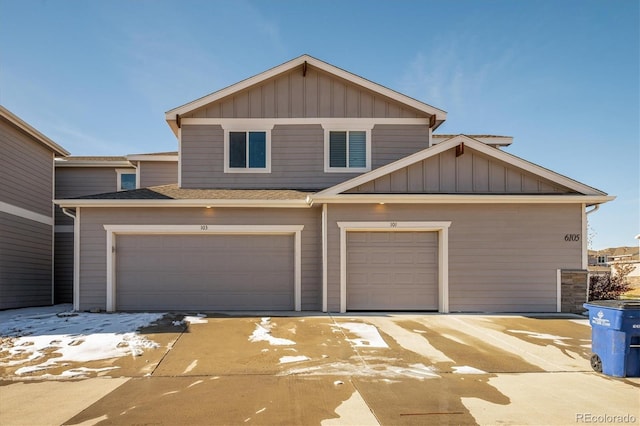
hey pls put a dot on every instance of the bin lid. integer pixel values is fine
(617, 304)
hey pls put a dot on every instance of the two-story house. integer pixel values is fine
(78, 176)
(26, 213)
(307, 187)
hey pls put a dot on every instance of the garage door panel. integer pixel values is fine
(392, 271)
(205, 272)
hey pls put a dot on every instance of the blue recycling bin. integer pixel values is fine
(615, 337)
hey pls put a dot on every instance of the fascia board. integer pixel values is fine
(25, 127)
(115, 164)
(474, 144)
(461, 199)
(389, 168)
(151, 157)
(535, 169)
(421, 106)
(184, 203)
(200, 102)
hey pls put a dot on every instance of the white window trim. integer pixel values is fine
(114, 230)
(353, 127)
(121, 172)
(247, 127)
(442, 228)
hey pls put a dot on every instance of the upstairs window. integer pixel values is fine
(348, 151)
(247, 152)
(126, 179)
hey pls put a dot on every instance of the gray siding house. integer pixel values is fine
(307, 187)
(26, 213)
(78, 176)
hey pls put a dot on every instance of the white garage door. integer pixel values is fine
(205, 272)
(392, 271)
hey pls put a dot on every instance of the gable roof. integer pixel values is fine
(31, 131)
(434, 150)
(171, 115)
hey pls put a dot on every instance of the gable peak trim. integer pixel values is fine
(173, 116)
(454, 142)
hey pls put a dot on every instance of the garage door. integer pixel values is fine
(392, 271)
(205, 272)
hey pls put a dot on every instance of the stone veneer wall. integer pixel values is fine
(574, 288)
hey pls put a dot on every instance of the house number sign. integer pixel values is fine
(204, 227)
(572, 237)
(393, 224)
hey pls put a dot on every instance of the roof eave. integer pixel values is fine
(204, 203)
(171, 115)
(89, 163)
(462, 199)
(152, 157)
(30, 130)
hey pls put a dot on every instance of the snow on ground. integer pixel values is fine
(55, 336)
(368, 335)
(465, 369)
(288, 359)
(558, 340)
(262, 333)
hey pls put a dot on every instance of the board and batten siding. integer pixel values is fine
(318, 94)
(502, 257)
(26, 171)
(297, 156)
(93, 264)
(154, 173)
(472, 172)
(25, 262)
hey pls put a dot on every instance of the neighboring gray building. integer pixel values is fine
(26, 213)
(307, 187)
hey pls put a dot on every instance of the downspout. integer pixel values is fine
(137, 166)
(76, 256)
(595, 208)
(585, 246)
(325, 305)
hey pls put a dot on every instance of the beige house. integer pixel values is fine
(307, 187)
(26, 213)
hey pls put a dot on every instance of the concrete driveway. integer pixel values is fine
(342, 369)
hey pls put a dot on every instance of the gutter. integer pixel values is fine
(306, 203)
(462, 199)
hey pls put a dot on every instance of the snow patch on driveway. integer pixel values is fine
(262, 333)
(288, 359)
(30, 335)
(465, 369)
(368, 335)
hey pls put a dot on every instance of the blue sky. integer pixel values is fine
(560, 76)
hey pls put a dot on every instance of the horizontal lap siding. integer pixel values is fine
(393, 142)
(297, 156)
(26, 171)
(72, 182)
(93, 242)
(153, 173)
(63, 271)
(25, 262)
(502, 258)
